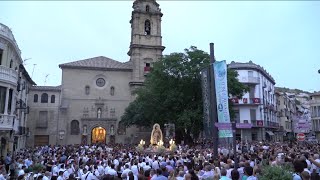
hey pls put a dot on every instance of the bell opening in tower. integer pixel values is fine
(147, 27)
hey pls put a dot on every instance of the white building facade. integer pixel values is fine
(257, 107)
(315, 113)
(14, 87)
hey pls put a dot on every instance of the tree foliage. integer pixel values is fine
(172, 93)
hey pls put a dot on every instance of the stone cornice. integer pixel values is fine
(251, 66)
(94, 68)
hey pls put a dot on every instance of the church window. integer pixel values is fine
(1, 52)
(87, 90)
(75, 127)
(42, 122)
(112, 112)
(147, 8)
(147, 27)
(11, 63)
(121, 128)
(44, 98)
(100, 82)
(35, 98)
(112, 91)
(53, 98)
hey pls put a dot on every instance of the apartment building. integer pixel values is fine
(286, 110)
(315, 113)
(14, 88)
(258, 106)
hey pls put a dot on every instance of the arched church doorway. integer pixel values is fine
(98, 135)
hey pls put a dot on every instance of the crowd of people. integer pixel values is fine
(111, 162)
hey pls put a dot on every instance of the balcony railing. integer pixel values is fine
(6, 122)
(250, 80)
(147, 69)
(252, 101)
(261, 123)
(21, 130)
(257, 123)
(8, 75)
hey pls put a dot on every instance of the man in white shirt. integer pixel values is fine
(111, 171)
(46, 176)
(155, 164)
(21, 171)
(60, 177)
(85, 174)
(125, 171)
(134, 168)
(55, 170)
(146, 167)
(316, 158)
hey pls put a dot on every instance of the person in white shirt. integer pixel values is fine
(153, 174)
(111, 171)
(101, 169)
(106, 169)
(85, 174)
(146, 167)
(134, 168)
(21, 171)
(60, 177)
(3, 175)
(55, 170)
(317, 159)
(125, 171)
(155, 164)
(46, 176)
(66, 174)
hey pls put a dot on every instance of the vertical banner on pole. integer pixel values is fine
(222, 96)
(207, 123)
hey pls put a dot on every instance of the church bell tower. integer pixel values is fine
(146, 40)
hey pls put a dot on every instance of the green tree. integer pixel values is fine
(172, 94)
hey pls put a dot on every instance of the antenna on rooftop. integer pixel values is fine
(45, 79)
(25, 60)
(34, 65)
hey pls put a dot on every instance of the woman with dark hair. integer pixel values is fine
(130, 176)
(141, 175)
(193, 175)
(298, 167)
(235, 175)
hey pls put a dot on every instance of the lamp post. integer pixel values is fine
(234, 129)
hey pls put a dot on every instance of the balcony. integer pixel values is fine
(272, 125)
(8, 75)
(246, 101)
(6, 122)
(250, 80)
(257, 123)
(147, 70)
(21, 130)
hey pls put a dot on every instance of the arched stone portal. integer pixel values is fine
(98, 135)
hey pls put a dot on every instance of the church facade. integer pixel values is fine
(88, 105)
